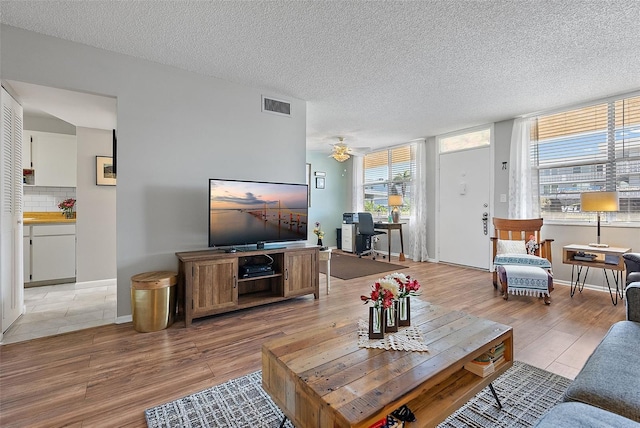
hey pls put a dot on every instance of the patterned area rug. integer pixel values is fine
(525, 392)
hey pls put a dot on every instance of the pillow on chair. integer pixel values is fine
(506, 246)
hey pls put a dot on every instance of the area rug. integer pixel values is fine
(349, 267)
(526, 393)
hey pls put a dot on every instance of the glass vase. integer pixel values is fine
(392, 318)
(376, 322)
(68, 214)
(320, 242)
(404, 307)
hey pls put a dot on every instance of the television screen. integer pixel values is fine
(248, 212)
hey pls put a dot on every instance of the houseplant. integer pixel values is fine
(319, 233)
(67, 206)
(407, 287)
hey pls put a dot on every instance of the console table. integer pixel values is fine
(321, 378)
(607, 259)
(389, 227)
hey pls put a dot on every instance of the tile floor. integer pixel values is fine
(60, 308)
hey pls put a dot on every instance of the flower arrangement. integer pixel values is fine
(318, 231)
(383, 293)
(67, 206)
(406, 285)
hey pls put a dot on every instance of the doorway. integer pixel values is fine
(464, 198)
(91, 300)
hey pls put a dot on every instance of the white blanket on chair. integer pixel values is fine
(527, 280)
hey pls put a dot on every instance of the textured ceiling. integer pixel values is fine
(377, 73)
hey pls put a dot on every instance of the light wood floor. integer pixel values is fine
(107, 376)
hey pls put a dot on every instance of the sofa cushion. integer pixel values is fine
(581, 415)
(609, 379)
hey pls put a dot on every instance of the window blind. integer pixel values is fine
(388, 172)
(594, 148)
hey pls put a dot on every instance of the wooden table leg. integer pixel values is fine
(401, 258)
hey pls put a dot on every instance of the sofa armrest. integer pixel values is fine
(632, 301)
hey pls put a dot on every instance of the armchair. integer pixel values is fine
(522, 259)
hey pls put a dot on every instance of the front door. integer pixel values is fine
(464, 203)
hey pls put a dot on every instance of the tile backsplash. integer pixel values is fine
(45, 199)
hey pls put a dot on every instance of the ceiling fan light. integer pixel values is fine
(340, 156)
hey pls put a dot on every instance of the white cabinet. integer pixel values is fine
(26, 253)
(53, 252)
(53, 158)
(26, 150)
(349, 238)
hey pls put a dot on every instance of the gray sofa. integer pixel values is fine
(606, 392)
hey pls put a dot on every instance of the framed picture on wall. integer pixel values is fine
(319, 182)
(104, 171)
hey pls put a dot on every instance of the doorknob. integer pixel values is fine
(485, 222)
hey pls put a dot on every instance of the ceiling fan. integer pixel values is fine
(342, 152)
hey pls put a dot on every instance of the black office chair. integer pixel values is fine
(365, 243)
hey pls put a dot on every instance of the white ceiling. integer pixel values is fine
(377, 73)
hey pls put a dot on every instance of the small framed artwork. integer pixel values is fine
(104, 171)
(319, 182)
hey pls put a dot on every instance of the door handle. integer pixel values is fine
(485, 222)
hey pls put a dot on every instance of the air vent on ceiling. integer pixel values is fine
(271, 105)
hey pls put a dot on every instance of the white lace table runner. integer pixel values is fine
(406, 339)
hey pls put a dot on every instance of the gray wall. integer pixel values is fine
(47, 124)
(501, 149)
(176, 130)
(96, 220)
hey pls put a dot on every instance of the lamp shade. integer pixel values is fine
(395, 200)
(599, 201)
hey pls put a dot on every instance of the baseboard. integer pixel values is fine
(97, 283)
(602, 288)
(124, 319)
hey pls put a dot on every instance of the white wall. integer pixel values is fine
(96, 220)
(176, 130)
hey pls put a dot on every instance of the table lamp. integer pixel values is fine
(395, 201)
(599, 202)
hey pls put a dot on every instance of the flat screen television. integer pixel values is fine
(244, 213)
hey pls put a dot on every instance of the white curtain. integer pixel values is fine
(524, 201)
(358, 184)
(418, 198)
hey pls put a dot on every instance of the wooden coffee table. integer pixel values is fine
(321, 378)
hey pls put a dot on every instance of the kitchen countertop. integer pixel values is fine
(31, 218)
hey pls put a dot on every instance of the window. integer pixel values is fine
(388, 172)
(594, 148)
(468, 140)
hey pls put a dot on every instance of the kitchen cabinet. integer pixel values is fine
(53, 158)
(52, 253)
(26, 150)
